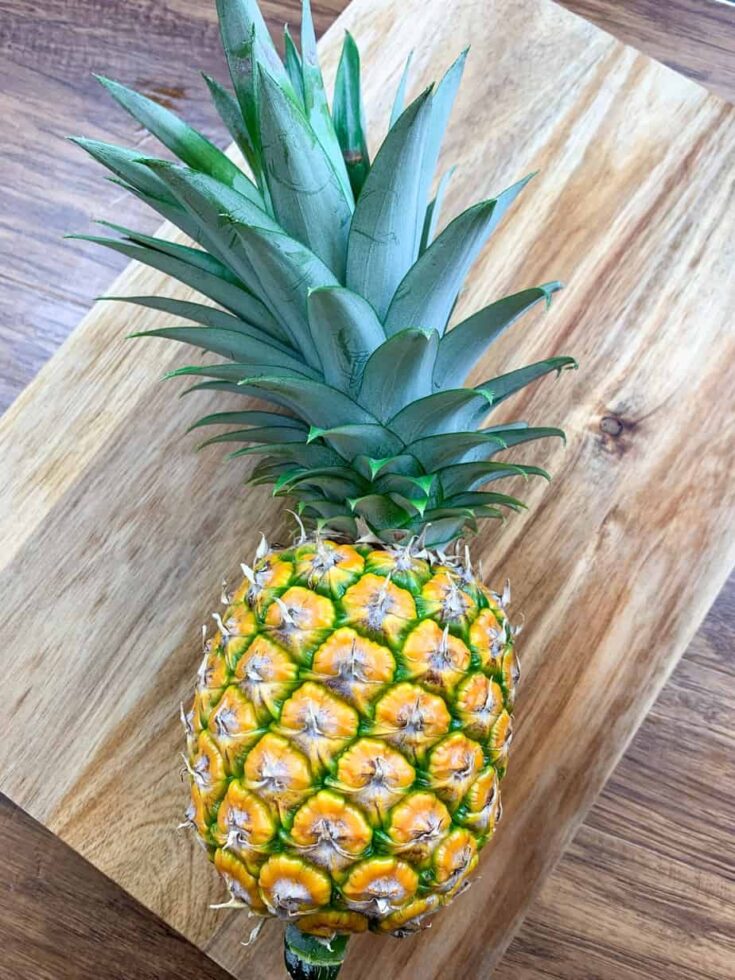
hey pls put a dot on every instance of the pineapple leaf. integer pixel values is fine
(380, 512)
(484, 498)
(286, 270)
(264, 434)
(311, 457)
(230, 387)
(316, 105)
(399, 372)
(437, 451)
(345, 331)
(234, 298)
(401, 463)
(434, 210)
(333, 488)
(405, 485)
(193, 256)
(268, 471)
(230, 113)
(399, 102)
(128, 166)
(337, 470)
(430, 288)
(353, 440)
(247, 43)
(172, 212)
(237, 372)
(293, 65)
(213, 206)
(386, 227)
(207, 316)
(235, 345)
(308, 199)
(195, 150)
(439, 528)
(204, 272)
(337, 483)
(315, 402)
(441, 108)
(505, 385)
(253, 418)
(444, 411)
(468, 476)
(349, 116)
(462, 346)
(511, 436)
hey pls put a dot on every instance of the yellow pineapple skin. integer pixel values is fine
(349, 729)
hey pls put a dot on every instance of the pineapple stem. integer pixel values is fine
(311, 958)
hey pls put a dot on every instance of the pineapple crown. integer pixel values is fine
(333, 290)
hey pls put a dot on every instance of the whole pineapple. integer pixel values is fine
(352, 715)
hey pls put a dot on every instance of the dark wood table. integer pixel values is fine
(646, 887)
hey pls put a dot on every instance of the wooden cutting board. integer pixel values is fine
(114, 534)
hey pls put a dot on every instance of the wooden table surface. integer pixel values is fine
(653, 861)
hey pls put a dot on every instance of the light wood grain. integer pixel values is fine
(645, 892)
(111, 557)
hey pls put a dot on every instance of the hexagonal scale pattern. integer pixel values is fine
(350, 725)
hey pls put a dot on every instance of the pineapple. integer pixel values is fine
(353, 710)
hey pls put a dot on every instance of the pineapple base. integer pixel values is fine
(351, 723)
(309, 958)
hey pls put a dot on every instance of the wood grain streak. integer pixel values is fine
(113, 533)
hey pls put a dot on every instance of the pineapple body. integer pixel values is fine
(349, 729)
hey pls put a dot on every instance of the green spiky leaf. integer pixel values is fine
(308, 199)
(502, 387)
(187, 144)
(345, 332)
(444, 411)
(430, 288)
(293, 65)
(386, 227)
(441, 108)
(399, 102)
(286, 271)
(469, 476)
(349, 115)
(360, 438)
(252, 418)
(399, 372)
(230, 113)
(313, 401)
(434, 210)
(315, 102)
(463, 345)
(235, 345)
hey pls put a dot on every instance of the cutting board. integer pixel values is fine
(115, 534)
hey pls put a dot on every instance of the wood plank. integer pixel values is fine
(696, 37)
(90, 547)
(653, 862)
(60, 919)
